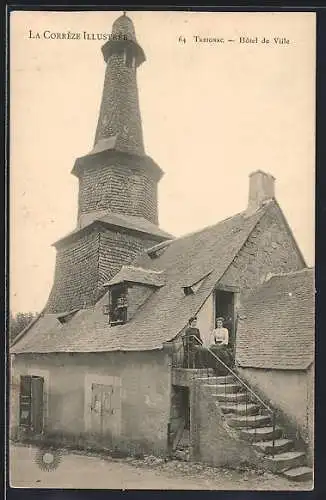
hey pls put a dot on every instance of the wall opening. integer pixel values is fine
(224, 302)
(180, 416)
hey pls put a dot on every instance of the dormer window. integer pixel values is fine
(192, 287)
(118, 305)
(129, 289)
(157, 250)
(67, 316)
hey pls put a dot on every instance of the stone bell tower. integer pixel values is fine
(117, 201)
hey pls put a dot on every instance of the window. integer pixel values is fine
(31, 403)
(118, 305)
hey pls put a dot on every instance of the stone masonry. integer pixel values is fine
(269, 249)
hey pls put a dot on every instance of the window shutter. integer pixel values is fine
(25, 406)
(37, 404)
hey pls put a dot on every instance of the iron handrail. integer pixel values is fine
(270, 410)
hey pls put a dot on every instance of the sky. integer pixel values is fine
(211, 113)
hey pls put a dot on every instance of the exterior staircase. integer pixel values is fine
(250, 421)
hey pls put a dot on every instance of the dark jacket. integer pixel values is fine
(192, 332)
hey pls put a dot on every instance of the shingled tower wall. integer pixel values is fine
(116, 175)
(117, 202)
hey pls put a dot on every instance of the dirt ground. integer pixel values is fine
(98, 472)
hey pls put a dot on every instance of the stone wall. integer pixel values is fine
(143, 382)
(212, 441)
(88, 261)
(269, 249)
(118, 188)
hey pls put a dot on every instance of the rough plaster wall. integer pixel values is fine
(205, 319)
(118, 188)
(290, 391)
(145, 395)
(268, 249)
(119, 112)
(310, 416)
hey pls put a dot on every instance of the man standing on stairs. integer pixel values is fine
(192, 343)
(219, 345)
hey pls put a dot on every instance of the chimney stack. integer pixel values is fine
(261, 190)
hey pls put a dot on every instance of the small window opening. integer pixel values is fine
(129, 59)
(118, 305)
(65, 317)
(188, 290)
(125, 56)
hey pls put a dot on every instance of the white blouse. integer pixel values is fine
(220, 336)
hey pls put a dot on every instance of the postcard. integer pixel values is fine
(162, 170)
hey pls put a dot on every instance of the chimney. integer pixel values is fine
(261, 190)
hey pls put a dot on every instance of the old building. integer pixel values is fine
(117, 202)
(103, 363)
(275, 347)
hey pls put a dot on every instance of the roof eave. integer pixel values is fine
(99, 222)
(92, 158)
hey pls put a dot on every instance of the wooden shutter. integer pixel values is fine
(25, 401)
(37, 404)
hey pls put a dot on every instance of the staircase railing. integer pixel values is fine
(191, 358)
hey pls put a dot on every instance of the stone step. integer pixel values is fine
(182, 455)
(239, 397)
(227, 388)
(249, 421)
(228, 379)
(240, 409)
(284, 461)
(261, 434)
(299, 473)
(280, 445)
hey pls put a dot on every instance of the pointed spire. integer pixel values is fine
(119, 125)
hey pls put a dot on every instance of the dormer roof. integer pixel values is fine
(131, 274)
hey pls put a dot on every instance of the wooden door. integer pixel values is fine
(106, 409)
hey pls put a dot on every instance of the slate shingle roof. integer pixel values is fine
(203, 254)
(138, 275)
(135, 223)
(276, 324)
